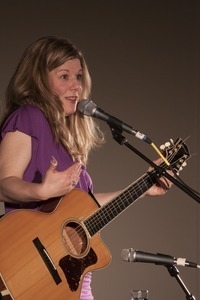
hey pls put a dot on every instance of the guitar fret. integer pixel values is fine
(109, 211)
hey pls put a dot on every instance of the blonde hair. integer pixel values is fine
(29, 85)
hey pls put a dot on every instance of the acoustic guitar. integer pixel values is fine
(46, 255)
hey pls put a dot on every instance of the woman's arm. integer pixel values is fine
(103, 198)
(15, 155)
(159, 189)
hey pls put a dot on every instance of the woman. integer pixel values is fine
(45, 141)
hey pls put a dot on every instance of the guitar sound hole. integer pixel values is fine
(74, 238)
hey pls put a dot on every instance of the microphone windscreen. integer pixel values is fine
(126, 254)
(86, 107)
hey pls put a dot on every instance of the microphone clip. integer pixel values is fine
(117, 135)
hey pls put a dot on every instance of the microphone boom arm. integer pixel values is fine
(119, 138)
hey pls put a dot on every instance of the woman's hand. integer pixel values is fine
(163, 184)
(57, 183)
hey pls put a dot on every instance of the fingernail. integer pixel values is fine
(53, 161)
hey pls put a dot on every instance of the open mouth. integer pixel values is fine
(72, 99)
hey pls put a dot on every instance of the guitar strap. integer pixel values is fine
(93, 197)
(2, 210)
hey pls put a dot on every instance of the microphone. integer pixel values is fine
(89, 108)
(131, 255)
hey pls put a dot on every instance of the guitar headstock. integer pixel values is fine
(176, 153)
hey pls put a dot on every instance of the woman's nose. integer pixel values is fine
(75, 84)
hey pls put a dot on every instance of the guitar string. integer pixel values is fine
(105, 213)
(116, 206)
(138, 188)
(120, 201)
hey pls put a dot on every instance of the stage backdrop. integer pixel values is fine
(144, 61)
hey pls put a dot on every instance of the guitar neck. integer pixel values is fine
(177, 154)
(105, 214)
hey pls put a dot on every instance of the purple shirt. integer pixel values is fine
(30, 120)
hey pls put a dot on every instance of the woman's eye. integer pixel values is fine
(64, 76)
(80, 77)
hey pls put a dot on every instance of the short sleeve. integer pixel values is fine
(28, 119)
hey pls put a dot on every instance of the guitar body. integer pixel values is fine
(46, 255)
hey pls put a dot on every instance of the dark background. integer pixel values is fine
(144, 60)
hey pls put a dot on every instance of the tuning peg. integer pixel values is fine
(167, 144)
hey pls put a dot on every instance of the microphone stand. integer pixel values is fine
(118, 137)
(173, 271)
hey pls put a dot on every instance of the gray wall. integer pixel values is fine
(144, 60)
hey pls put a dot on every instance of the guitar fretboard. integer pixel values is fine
(111, 210)
(177, 155)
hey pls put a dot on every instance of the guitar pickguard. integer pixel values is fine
(73, 268)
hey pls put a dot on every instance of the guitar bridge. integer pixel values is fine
(47, 260)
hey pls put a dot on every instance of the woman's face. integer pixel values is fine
(66, 82)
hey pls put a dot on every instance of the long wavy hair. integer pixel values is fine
(29, 85)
